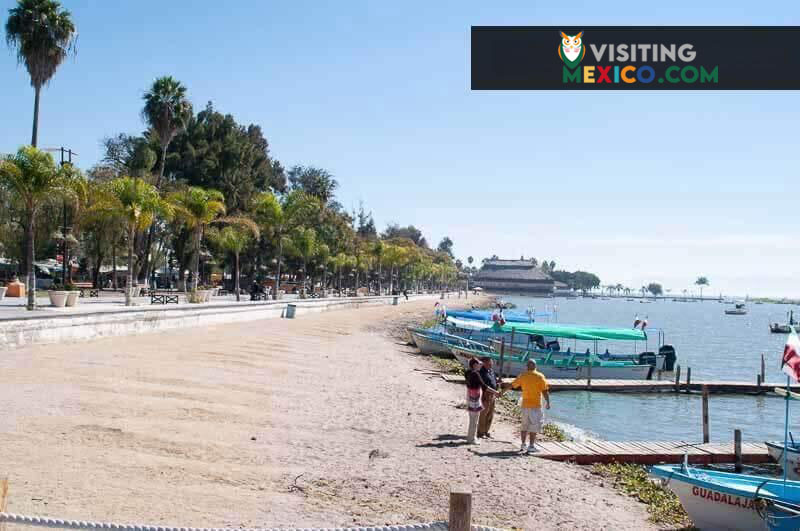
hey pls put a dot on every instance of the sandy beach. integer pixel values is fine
(326, 420)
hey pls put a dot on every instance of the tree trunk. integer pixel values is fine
(129, 282)
(305, 278)
(151, 230)
(236, 278)
(114, 266)
(198, 237)
(380, 287)
(35, 136)
(278, 271)
(29, 251)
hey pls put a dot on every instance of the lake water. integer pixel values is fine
(716, 346)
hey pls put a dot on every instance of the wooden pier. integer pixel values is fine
(649, 452)
(651, 386)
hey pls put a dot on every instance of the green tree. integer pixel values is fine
(655, 289)
(197, 208)
(234, 239)
(137, 203)
(378, 250)
(303, 244)
(32, 176)
(446, 246)
(702, 282)
(279, 218)
(43, 34)
(315, 182)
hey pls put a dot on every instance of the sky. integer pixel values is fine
(636, 187)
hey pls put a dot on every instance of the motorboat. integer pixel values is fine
(738, 309)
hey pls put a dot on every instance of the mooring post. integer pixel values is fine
(502, 354)
(758, 383)
(688, 378)
(705, 414)
(737, 450)
(589, 375)
(659, 374)
(763, 373)
(677, 378)
(460, 509)
(3, 499)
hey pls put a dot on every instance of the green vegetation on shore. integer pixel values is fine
(664, 507)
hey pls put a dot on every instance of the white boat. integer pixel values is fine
(738, 309)
(775, 450)
(723, 501)
(558, 369)
(428, 344)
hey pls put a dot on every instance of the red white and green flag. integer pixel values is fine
(791, 357)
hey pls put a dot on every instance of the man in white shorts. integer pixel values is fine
(534, 386)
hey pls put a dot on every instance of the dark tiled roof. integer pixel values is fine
(529, 273)
(508, 263)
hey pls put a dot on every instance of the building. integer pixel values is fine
(520, 276)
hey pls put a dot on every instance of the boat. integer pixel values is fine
(738, 309)
(429, 342)
(782, 328)
(775, 450)
(731, 502)
(510, 317)
(557, 364)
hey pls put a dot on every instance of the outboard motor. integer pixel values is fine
(668, 351)
(647, 358)
(553, 345)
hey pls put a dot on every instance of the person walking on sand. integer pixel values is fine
(534, 386)
(476, 387)
(487, 413)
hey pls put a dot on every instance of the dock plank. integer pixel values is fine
(648, 452)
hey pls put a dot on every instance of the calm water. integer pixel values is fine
(716, 346)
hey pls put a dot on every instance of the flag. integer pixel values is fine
(790, 364)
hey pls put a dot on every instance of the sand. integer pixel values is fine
(325, 420)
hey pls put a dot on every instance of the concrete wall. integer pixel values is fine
(44, 329)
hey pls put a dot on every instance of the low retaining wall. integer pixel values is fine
(45, 329)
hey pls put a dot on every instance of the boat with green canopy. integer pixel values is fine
(555, 363)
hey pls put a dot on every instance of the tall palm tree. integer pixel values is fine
(378, 249)
(137, 203)
(34, 179)
(166, 111)
(234, 239)
(43, 35)
(281, 217)
(197, 208)
(702, 282)
(303, 244)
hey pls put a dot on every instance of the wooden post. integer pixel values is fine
(512, 342)
(502, 354)
(659, 374)
(763, 372)
(3, 499)
(460, 510)
(688, 378)
(737, 450)
(705, 414)
(677, 378)
(589, 375)
(758, 382)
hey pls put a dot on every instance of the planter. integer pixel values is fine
(199, 296)
(72, 298)
(58, 298)
(2, 292)
(207, 293)
(16, 289)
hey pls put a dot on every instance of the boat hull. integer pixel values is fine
(574, 372)
(775, 451)
(712, 509)
(429, 346)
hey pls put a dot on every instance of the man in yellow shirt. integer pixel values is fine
(534, 386)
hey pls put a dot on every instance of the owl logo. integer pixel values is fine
(571, 50)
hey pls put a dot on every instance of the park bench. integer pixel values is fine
(163, 298)
(86, 288)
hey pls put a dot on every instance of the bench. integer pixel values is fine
(91, 291)
(258, 296)
(163, 298)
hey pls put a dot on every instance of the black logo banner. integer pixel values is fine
(635, 58)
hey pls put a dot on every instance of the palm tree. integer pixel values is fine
(137, 203)
(166, 111)
(393, 257)
(43, 35)
(197, 208)
(378, 250)
(323, 257)
(33, 177)
(303, 244)
(234, 239)
(701, 282)
(280, 218)
(339, 263)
